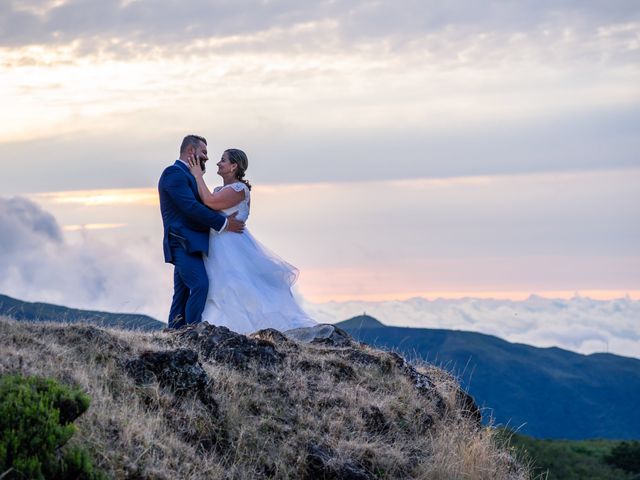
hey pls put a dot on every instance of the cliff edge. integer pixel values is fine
(205, 402)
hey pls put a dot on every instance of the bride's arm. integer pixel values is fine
(225, 198)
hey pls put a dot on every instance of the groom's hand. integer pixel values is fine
(233, 224)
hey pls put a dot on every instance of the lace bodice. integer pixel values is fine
(243, 207)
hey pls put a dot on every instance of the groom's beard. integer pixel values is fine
(204, 169)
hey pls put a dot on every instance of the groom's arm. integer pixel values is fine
(177, 188)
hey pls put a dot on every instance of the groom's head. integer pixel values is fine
(194, 146)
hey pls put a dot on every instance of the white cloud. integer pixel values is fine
(579, 324)
(37, 263)
(396, 239)
(455, 89)
(146, 24)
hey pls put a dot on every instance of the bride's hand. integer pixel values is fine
(195, 167)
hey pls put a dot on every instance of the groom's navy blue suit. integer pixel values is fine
(186, 237)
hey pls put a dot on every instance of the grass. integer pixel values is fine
(365, 415)
(567, 459)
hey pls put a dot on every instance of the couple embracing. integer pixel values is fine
(222, 274)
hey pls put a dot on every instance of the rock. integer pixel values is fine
(308, 366)
(464, 402)
(359, 356)
(421, 381)
(224, 346)
(374, 420)
(468, 406)
(70, 409)
(340, 370)
(324, 334)
(177, 370)
(322, 465)
(274, 336)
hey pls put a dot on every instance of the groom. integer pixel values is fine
(186, 233)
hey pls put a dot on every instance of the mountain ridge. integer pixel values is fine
(47, 312)
(551, 392)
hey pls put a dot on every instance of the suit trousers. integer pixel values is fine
(190, 288)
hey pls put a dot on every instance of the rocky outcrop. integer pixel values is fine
(322, 334)
(206, 402)
(374, 419)
(178, 370)
(275, 337)
(225, 346)
(323, 464)
(338, 342)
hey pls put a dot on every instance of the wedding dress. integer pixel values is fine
(249, 286)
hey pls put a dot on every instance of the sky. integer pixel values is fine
(401, 152)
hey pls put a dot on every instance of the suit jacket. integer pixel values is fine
(185, 218)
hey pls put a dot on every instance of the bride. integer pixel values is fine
(249, 286)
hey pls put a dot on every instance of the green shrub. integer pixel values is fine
(567, 459)
(35, 422)
(626, 456)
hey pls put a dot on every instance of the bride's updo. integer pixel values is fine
(240, 159)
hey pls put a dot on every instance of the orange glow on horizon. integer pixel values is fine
(92, 226)
(123, 196)
(451, 295)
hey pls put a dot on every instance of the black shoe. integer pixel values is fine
(177, 323)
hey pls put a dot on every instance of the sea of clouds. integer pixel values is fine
(39, 263)
(579, 324)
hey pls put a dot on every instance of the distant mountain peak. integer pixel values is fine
(361, 321)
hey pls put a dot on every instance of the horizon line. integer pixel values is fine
(504, 295)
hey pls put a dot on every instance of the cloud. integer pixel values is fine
(139, 196)
(439, 89)
(579, 324)
(134, 27)
(25, 226)
(38, 264)
(395, 239)
(597, 140)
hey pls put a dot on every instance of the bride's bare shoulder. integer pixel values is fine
(237, 186)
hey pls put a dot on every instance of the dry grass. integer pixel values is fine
(365, 415)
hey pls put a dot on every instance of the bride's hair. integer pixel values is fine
(240, 159)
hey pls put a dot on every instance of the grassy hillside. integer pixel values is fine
(543, 392)
(206, 403)
(571, 459)
(46, 312)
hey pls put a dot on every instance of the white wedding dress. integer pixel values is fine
(249, 287)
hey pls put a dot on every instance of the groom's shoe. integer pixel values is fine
(177, 323)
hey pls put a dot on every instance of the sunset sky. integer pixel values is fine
(399, 149)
